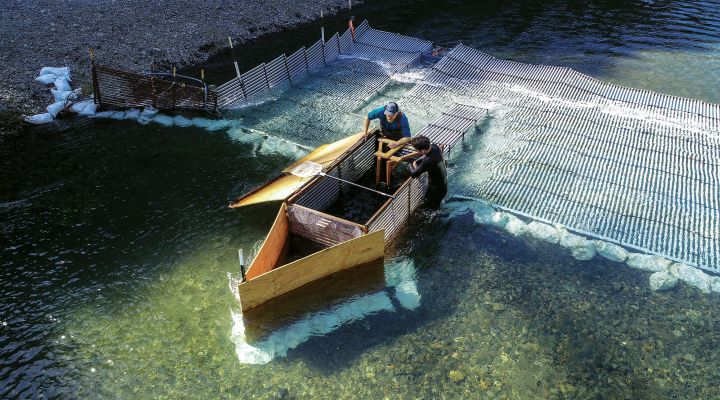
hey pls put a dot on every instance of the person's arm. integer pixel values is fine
(366, 125)
(424, 162)
(373, 114)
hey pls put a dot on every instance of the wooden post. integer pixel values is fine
(287, 69)
(96, 86)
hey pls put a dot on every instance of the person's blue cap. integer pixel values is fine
(391, 109)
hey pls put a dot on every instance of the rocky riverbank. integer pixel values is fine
(128, 35)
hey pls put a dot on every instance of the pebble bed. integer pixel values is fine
(38, 33)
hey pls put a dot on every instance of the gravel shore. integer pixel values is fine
(128, 35)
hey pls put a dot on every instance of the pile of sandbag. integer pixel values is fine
(63, 94)
(665, 273)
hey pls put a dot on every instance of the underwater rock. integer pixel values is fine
(456, 376)
(610, 251)
(692, 276)
(648, 262)
(515, 225)
(544, 232)
(662, 280)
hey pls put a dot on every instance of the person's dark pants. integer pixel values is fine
(434, 197)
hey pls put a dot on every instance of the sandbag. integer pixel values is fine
(182, 121)
(38, 119)
(104, 114)
(581, 249)
(543, 231)
(62, 84)
(132, 113)
(648, 262)
(692, 276)
(515, 225)
(55, 108)
(149, 111)
(610, 251)
(662, 280)
(85, 107)
(59, 71)
(47, 79)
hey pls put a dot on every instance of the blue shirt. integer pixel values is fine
(397, 129)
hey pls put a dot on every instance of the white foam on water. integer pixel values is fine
(279, 342)
(400, 274)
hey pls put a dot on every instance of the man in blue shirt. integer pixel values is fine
(393, 123)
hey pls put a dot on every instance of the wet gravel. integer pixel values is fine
(128, 35)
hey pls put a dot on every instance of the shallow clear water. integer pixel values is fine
(116, 241)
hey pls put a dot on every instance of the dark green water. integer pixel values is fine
(116, 241)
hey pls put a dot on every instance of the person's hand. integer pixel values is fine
(392, 145)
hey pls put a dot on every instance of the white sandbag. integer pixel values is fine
(104, 114)
(149, 111)
(580, 248)
(715, 285)
(59, 71)
(211, 124)
(61, 95)
(163, 120)
(692, 276)
(482, 211)
(38, 119)
(499, 219)
(132, 113)
(118, 115)
(85, 107)
(543, 231)
(662, 280)
(182, 121)
(610, 251)
(55, 108)
(47, 79)
(62, 84)
(515, 226)
(648, 262)
(584, 253)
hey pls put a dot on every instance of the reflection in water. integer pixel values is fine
(399, 274)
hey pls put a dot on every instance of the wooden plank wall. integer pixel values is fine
(272, 248)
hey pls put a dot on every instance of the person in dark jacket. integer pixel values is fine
(393, 123)
(433, 163)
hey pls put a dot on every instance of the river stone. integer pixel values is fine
(692, 276)
(648, 262)
(543, 231)
(610, 251)
(662, 280)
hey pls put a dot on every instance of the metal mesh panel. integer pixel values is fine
(396, 212)
(277, 72)
(315, 57)
(323, 192)
(297, 63)
(346, 42)
(255, 81)
(321, 228)
(126, 89)
(332, 48)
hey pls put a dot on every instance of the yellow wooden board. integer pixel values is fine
(285, 185)
(273, 247)
(289, 277)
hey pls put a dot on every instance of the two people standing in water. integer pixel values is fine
(394, 125)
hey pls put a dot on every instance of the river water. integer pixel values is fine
(116, 241)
